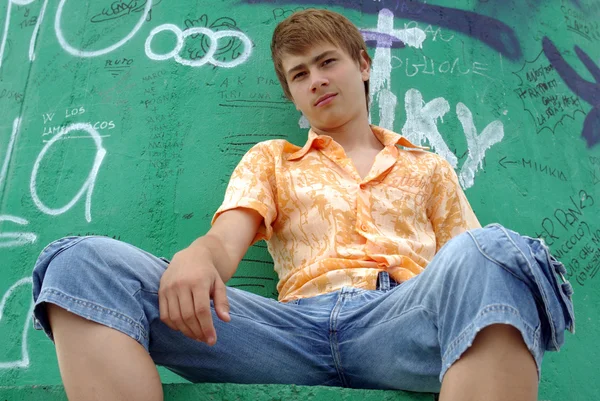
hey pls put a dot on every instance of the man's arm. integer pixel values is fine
(198, 274)
(448, 209)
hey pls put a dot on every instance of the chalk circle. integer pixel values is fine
(243, 57)
(208, 57)
(88, 185)
(82, 53)
(21, 2)
(173, 53)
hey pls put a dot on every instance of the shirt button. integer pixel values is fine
(363, 186)
(364, 227)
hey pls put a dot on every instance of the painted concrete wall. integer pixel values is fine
(126, 118)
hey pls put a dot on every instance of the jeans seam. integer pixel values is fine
(76, 240)
(333, 342)
(259, 321)
(92, 305)
(491, 259)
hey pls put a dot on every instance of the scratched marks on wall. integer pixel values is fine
(574, 236)
(120, 9)
(582, 20)
(220, 43)
(539, 90)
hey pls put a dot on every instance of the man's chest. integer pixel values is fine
(350, 186)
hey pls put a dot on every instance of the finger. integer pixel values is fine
(163, 307)
(203, 314)
(220, 300)
(188, 314)
(175, 315)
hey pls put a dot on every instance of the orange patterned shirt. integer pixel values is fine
(327, 228)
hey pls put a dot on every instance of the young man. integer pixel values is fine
(386, 278)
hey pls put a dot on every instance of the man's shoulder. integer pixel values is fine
(422, 155)
(275, 147)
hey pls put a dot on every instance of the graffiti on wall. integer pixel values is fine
(237, 44)
(221, 43)
(586, 90)
(23, 360)
(490, 31)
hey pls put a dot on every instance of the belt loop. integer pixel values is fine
(383, 281)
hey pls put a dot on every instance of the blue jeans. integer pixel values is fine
(400, 336)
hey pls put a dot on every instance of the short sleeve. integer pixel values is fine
(252, 186)
(448, 209)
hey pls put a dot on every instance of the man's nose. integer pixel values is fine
(318, 81)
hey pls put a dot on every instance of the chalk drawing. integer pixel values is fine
(47, 117)
(15, 238)
(421, 126)
(82, 53)
(9, 151)
(24, 361)
(88, 185)
(421, 123)
(478, 144)
(421, 117)
(208, 57)
(303, 122)
(165, 27)
(380, 80)
(36, 30)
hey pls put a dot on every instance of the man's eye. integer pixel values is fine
(328, 61)
(298, 75)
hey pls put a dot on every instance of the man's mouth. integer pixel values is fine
(325, 99)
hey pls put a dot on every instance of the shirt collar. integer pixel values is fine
(386, 137)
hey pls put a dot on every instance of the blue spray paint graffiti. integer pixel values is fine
(588, 91)
(490, 31)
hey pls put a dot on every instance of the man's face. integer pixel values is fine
(327, 86)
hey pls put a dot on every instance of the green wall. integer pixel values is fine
(104, 129)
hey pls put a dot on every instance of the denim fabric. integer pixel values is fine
(400, 336)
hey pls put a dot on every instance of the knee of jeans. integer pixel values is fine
(458, 257)
(496, 235)
(75, 258)
(460, 245)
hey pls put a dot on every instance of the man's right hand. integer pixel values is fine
(198, 273)
(186, 289)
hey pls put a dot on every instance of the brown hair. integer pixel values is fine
(303, 29)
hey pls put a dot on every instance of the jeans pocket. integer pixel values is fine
(556, 275)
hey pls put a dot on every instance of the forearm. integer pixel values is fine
(210, 248)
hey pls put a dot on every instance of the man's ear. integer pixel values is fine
(365, 67)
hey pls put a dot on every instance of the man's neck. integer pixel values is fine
(355, 135)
